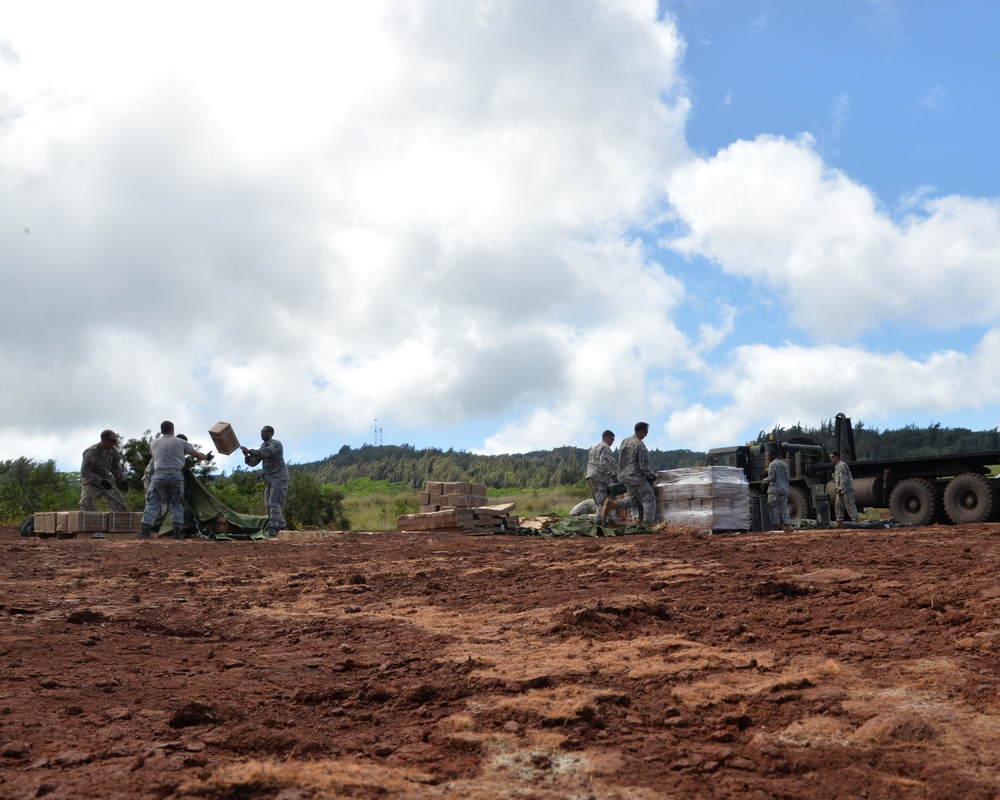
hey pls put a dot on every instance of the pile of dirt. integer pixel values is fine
(813, 664)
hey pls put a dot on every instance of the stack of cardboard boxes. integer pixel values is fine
(438, 495)
(67, 524)
(457, 507)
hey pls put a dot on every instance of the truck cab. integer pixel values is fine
(808, 467)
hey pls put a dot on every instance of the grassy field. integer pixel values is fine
(375, 508)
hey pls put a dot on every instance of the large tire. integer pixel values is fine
(798, 503)
(913, 502)
(968, 499)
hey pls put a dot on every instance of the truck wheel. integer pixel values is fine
(968, 499)
(798, 503)
(912, 502)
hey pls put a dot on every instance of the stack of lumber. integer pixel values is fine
(457, 507)
(494, 519)
(448, 520)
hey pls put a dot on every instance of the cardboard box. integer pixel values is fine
(86, 522)
(124, 522)
(224, 438)
(45, 522)
(62, 521)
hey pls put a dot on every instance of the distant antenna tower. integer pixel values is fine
(378, 434)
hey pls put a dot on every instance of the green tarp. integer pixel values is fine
(581, 526)
(208, 516)
(205, 516)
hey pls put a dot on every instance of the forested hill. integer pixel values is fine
(566, 465)
(406, 464)
(908, 442)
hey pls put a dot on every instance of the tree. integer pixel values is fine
(312, 503)
(27, 486)
(135, 456)
(242, 491)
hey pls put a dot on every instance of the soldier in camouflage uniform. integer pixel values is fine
(845, 505)
(275, 475)
(776, 484)
(634, 472)
(100, 472)
(601, 471)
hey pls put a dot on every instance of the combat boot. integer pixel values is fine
(144, 533)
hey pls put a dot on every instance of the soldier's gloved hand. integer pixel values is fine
(210, 456)
(123, 486)
(105, 484)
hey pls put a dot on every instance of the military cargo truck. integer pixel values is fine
(921, 490)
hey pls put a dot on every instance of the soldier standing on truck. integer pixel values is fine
(776, 484)
(845, 490)
(634, 472)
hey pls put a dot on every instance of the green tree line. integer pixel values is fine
(911, 441)
(405, 464)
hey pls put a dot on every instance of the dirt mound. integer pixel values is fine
(819, 664)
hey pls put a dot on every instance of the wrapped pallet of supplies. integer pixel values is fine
(708, 498)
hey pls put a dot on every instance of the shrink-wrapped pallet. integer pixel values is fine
(708, 498)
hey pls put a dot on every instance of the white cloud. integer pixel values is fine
(417, 213)
(430, 214)
(933, 98)
(840, 115)
(771, 210)
(760, 387)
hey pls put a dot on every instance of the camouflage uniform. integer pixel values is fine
(634, 472)
(167, 485)
(101, 465)
(275, 475)
(147, 476)
(777, 493)
(845, 493)
(601, 471)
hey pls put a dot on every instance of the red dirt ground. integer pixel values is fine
(814, 664)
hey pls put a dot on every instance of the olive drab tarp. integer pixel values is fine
(581, 526)
(210, 517)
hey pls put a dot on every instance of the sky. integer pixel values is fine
(495, 226)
